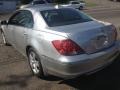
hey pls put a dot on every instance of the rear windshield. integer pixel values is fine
(64, 16)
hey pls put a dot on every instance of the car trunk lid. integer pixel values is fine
(90, 36)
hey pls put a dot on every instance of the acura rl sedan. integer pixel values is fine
(61, 41)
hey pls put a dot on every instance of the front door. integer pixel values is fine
(25, 25)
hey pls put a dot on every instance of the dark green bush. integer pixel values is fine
(55, 1)
(60, 1)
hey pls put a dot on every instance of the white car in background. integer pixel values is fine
(35, 2)
(75, 4)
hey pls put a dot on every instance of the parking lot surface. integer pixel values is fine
(15, 73)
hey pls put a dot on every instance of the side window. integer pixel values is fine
(22, 18)
(27, 20)
(14, 19)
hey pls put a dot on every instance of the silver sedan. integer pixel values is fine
(61, 41)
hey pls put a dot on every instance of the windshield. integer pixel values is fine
(64, 16)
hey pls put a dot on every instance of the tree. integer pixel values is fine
(25, 1)
(55, 1)
(60, 1)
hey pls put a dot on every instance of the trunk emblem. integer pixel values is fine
(101, 41)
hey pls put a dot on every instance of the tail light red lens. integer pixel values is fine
(67, 47)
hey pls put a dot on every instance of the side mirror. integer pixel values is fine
(4, 22)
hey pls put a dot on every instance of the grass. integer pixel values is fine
(90, 4)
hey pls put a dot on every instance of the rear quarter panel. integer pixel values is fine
(42, 42)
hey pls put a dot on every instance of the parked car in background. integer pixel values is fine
(64, 42)
(74, 4)
(36, 2)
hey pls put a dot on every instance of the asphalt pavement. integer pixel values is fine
(15, 72)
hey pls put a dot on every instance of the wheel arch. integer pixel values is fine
(41, 59)
(1, 30)
(27, 49)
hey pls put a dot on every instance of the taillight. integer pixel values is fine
(115, 32)
(67, 47)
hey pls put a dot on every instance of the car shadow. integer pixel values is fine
(19, 80)
(107, 79)
(52, 78)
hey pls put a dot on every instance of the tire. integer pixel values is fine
(35, 64)
(5, 42)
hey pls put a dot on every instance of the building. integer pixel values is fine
(7, 6)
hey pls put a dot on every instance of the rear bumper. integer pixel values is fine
(86, 63)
